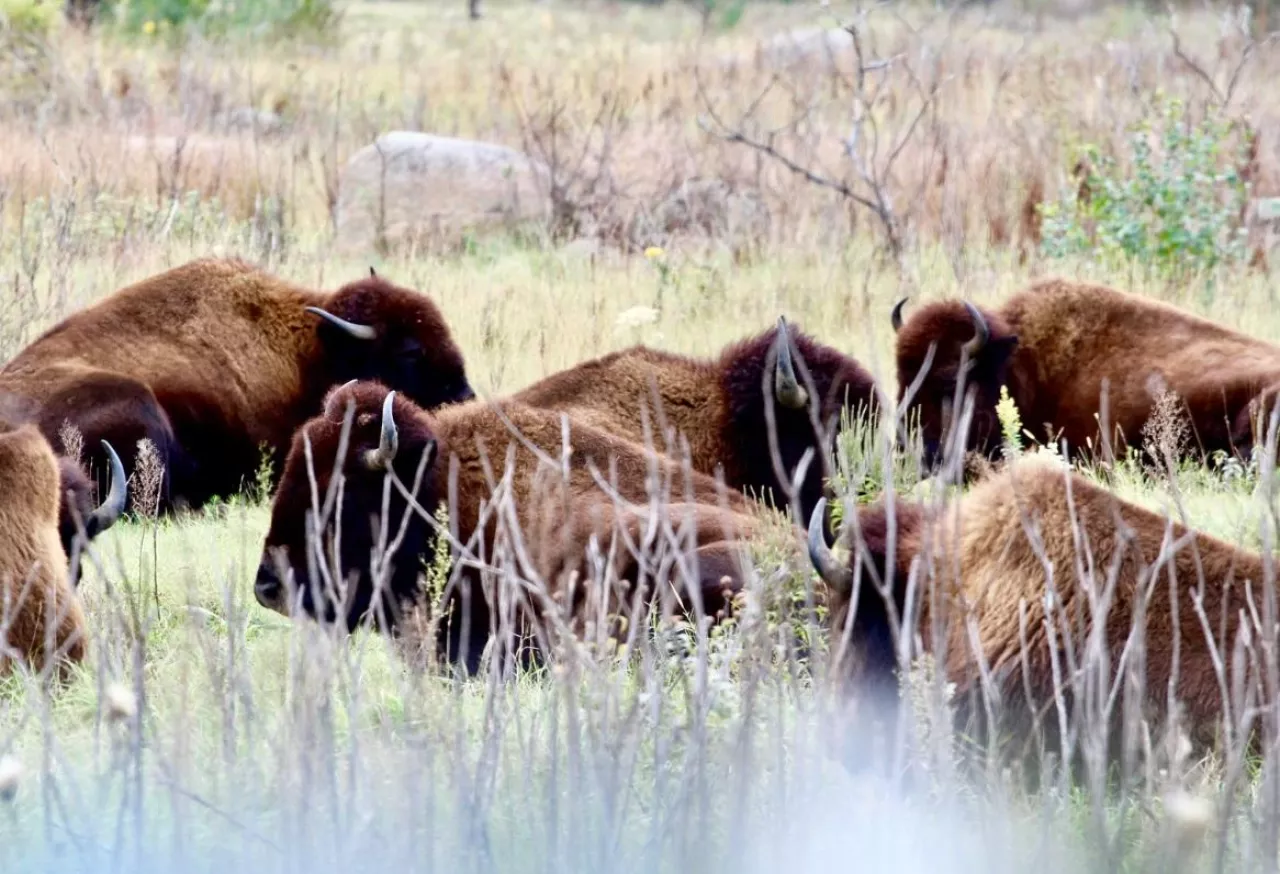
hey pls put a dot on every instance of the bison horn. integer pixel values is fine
(113, 507)
(389, 443)
(831, 569)
(786, 387)
(895, 317)
(360, 332)
(373, 274)
(982, 332)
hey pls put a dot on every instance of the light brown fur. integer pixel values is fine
(976, 561)
(1055, 343)
(728, 409)
(34, 585)
(558, 513)
(617, 393)
(215, 360)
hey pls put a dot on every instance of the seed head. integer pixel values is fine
(10, 776)
(121, 705)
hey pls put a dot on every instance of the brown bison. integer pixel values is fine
(1044, 577)
(723, 407)
(215, 361)
(41, 620)
(1056, 344)
(453, 458)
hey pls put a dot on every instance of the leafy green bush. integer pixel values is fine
(30, 17)
(219, 18)
(1175, 203)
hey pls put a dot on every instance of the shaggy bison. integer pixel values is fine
(215, 361)
(453, 458)
(1043, 576)
(1056, 344)
(722, 406)
(41, 620)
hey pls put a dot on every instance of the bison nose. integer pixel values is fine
(465, 394)
(267, 588)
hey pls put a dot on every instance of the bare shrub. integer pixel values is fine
(72, 441)
(146, 480)
(1167, 433)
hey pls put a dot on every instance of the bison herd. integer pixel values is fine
(361, 398)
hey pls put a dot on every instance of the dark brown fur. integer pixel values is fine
(40, 614)
(557, 516)
(1055, 344)
(974, 560)
(215, 360)
(717, 405)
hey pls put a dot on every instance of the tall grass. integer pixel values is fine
(206, 732)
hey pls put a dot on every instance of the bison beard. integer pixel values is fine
(1063, 350)
(1001, 574)
(442, 459)
(723, 408)
(216, 361)
(35, 587)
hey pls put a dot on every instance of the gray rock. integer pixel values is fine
(413, 187)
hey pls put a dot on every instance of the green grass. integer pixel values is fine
(206, 733)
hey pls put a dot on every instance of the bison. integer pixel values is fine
(1022, 574)
(451, 458)
(41, 620)
(78, 515)
(216, 360)
(723, 407)
(1062, 349)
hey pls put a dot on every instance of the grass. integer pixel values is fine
(206, 732)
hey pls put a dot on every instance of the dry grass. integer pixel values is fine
(253, 742)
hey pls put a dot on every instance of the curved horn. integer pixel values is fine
(895, 317)
(390, 440)
(373, 274)
(832, 571)
(328, 409)
(360, 332)
(786, 388)
(982, 332)
(113, 507)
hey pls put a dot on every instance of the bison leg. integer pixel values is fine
(1249, 427)
(123, 412)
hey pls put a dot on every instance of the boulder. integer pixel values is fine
(414, 187)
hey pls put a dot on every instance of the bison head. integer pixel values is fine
(332, 552)
(807, 381)
(944, 348)
(76, 507)
(374, 330)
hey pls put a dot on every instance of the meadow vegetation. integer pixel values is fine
(970, 149)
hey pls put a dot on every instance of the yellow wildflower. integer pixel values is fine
(149, 28)
(653, 252)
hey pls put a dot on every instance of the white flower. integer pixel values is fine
(636, 317)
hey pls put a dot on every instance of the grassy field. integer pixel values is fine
(206, 732)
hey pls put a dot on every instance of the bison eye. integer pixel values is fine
(411, 350)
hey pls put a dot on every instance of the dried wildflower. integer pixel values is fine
(10, 777)
(121, 705)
